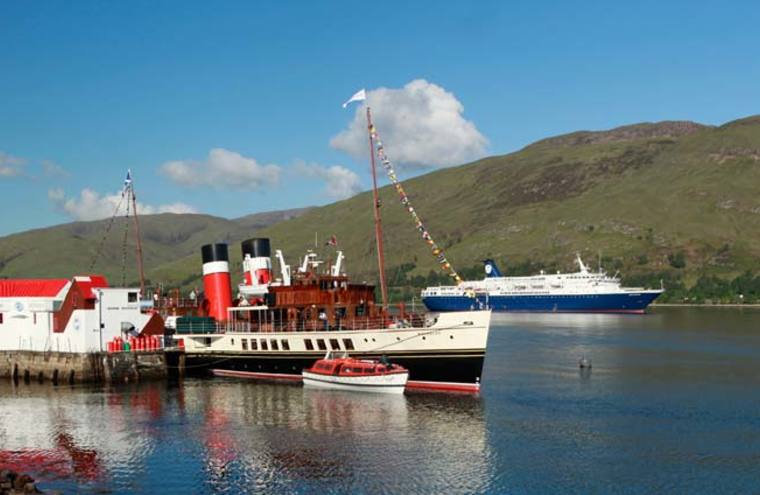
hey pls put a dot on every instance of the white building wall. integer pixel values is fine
(27, 330)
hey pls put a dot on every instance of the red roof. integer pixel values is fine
(32, 287)
(88, 282)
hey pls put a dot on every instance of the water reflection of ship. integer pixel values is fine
(578, 321)
(278, 435)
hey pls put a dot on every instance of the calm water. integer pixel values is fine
(672, 405)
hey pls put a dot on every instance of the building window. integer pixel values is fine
(264, 345)
(232, 341)
(285, 344)
(254, 344)
(244, 343)
(349, 344)
(309, 344)
(274, 345)
(334, 344)
(131, 297)
(321, 345)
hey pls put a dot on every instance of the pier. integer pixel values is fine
(93, 367)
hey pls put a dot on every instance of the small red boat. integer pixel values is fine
(337, 371)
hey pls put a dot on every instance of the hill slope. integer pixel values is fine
(672, 200)
(63, 250)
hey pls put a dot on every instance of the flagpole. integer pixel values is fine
(378, 223)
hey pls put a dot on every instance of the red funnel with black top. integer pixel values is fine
(216, 279)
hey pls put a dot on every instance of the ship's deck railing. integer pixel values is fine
(168, 303)
(358, 323)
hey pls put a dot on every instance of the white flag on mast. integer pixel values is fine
(360, 95)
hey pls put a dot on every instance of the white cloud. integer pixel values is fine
(91, 205)
(11, 166)
(52, 169)
(421, 126)
(222, 169)
(340, 182)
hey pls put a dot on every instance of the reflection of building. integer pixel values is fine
(53, 433)
(78, 315)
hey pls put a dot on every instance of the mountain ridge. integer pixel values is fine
(674, 200)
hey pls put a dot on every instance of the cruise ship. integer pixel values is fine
(583, 291)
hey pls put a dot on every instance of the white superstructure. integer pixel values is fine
(583, 281)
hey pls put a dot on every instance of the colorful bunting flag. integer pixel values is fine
(437, 251)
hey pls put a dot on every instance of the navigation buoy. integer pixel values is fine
(584, 363)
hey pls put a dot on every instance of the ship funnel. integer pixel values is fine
(216, 279)
(491, 269)
(257, 261)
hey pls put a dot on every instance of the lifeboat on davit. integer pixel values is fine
(338, 371)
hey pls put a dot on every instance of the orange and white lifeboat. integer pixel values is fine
(337, 371)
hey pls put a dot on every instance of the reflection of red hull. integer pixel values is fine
(58, 462)
(55, 461)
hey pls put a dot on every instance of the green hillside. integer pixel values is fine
(675, 201)
(65, 250)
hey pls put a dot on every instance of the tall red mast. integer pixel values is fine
(378, 222)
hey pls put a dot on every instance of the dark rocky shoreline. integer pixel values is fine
(12, 483)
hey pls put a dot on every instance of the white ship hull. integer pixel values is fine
(446, 355)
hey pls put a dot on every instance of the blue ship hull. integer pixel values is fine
(634, 302)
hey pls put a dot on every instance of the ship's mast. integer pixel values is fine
(131, 193)
(376, 208)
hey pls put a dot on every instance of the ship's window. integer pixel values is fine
(244, 343)
(254, 344)
(348, 344)
(274, 345)
(264, 345)
(1, 318)
(309, 344)
(131, 296)
(334, 344)
(321, 345)
(285, 344)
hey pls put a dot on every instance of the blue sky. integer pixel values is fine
(234, 107)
